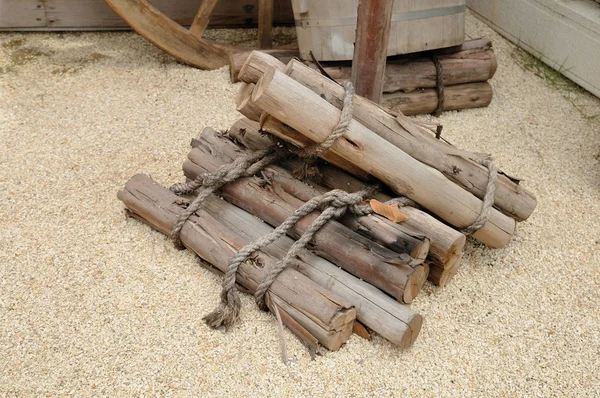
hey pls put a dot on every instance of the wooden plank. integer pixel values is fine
(22, 13)
(89, 14)
(370, 47)
(563, 34)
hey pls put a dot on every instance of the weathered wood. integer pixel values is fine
(168, 35)
(202, 17)
(375, 227)
(236, 59)
(320, 312)
(256, 64)
(394, 321)
(356, 254)
(370, 47)
(441, 276)
(445, 241)
(265, 23)
(96, 14)
(460, 96)
(455, 164)
(273, 126)
(276, 93)
(244, 104)
(327, 28)
(408, 73)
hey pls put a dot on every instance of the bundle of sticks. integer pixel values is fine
(362, 270)
(411, 81)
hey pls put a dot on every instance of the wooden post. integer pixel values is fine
(265, 23)
(370, 47)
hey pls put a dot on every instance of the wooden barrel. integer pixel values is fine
(327, 28)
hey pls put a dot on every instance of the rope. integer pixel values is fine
(439, 85)
(228, 309)
(242, 166)
(338, 202)
(340, 128)
(488, 198)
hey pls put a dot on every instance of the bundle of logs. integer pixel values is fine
(411, 81)
(362, 269)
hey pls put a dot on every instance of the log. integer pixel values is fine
(374, 227)
(244, 104)
(382, 314)
(460, 96)
(408, 73)
(440, 276)
(445, 241)
(278, 94)
(356, 254)
(236, 59)
(256, 64)
(370, 47)
(317, 310)
(455, 164)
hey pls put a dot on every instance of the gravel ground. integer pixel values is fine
(92, 303)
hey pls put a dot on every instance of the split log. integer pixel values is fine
(445, 241)
(277, 94)
(457, 165)
(460, 96)
(356, 254)
(317, 310)
(475, 61)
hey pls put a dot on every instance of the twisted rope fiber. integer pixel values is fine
(439, 84)
(242, 166)
(488, 198)
(338, 203)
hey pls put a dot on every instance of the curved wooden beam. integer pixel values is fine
(169, 36)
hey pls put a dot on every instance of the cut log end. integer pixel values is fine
(414, 284)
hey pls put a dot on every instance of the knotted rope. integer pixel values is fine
(335, 204)
(242, 166)
(439, 85)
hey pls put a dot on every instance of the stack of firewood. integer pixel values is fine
(361, 271)
(410, 84)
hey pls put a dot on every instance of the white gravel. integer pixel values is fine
(94, 304)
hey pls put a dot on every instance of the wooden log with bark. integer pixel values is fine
(356, 254)
(458, 165)
(314, 309)
(474, 61)
(315, 118)
(444, 240)
(374, 227)
(460, 96)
